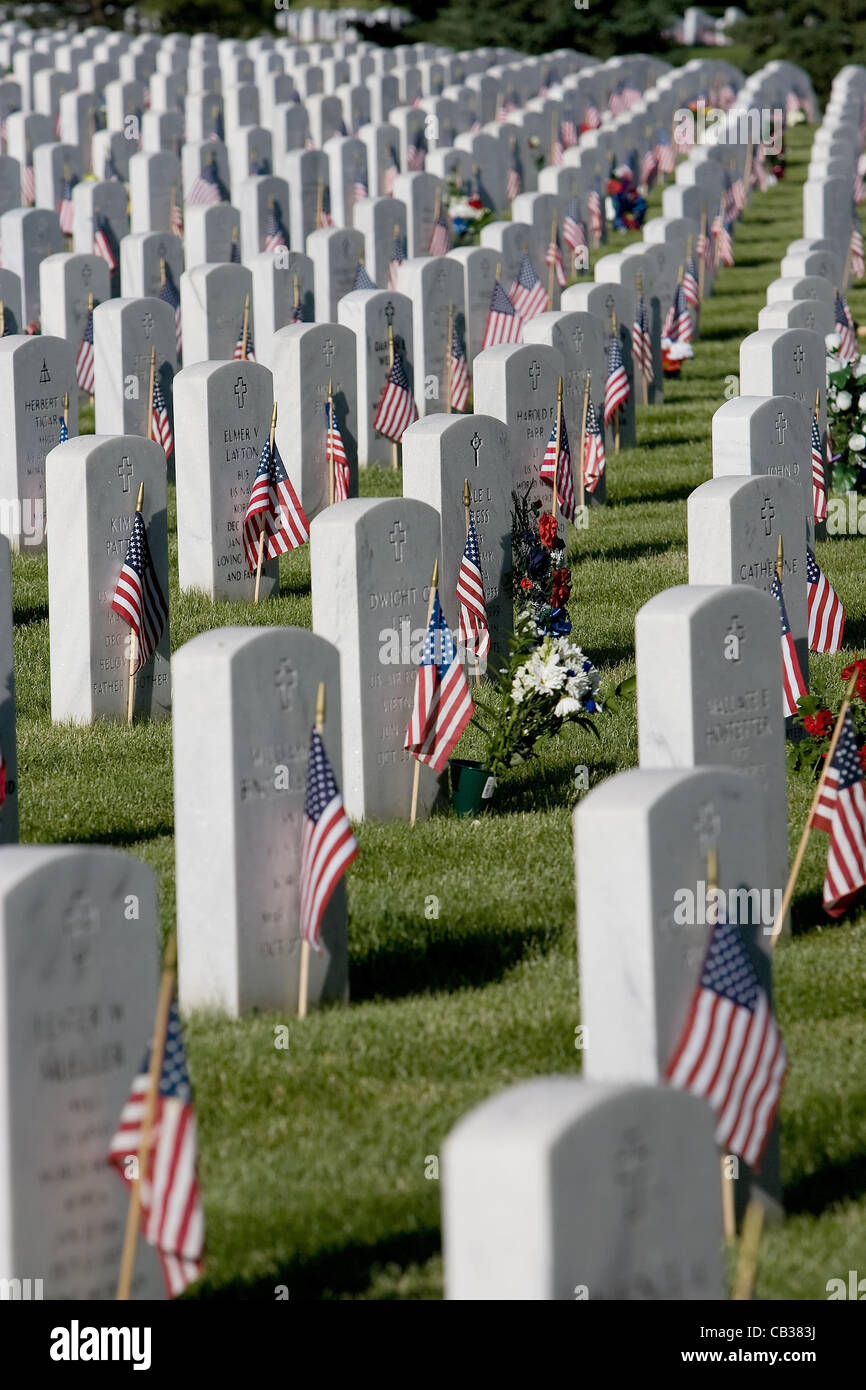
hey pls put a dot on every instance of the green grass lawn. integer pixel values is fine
(313, 1159)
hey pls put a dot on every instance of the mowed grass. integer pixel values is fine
(314, 1159)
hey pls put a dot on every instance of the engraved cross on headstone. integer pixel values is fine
(577, 336)
(285, 680)
(87, 273)
(80, 922)
(240, 392)
(707, 826)
(389, 313)
(398, 540)
(328, 352)
(147, 324)
(780, 426)
(475, 444)
(610, 304)
(799, 355)
(768, 511)
(534, 374)
(124, 471)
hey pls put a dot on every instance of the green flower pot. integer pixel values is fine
(468, 781)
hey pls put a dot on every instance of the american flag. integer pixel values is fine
(84, 357)
(169, 295)
(275, 235)
(730, 208)
(396, 409)
(616, 101)
(160, 423)
(527, 294)
(172, 1216)
(416, 154)
(175, 219)
(103, 239)
(362, 280)
(648, 168)
(759, 170)
(596, 214)
(593, 449)
(235, 253)
(826, 613)
(504, 324)
(556, 149)
(274, 505)
(841, 811)
(440, 237)
(793, 685)
(573, 230)
(591, 118)
(556, 464)
(138, 599)
(730, 1051)
(819, 486)
(360, 188)
(678, 320)
(390, 174)
(238, 353)
(569, 134)
(28, 186)
(740, 196)
(459, 373)
(64, 430)
(474, 632)
(328, 846)
(398, 256)
(665, 154)
(724, 244)
(641, 341)
(616, 387)
(844, 325)
(66, 210)
(855, 250)
(336, 450)
(514, 177)
(205, 189)
(553, 256)
(691, 284)
(443, 705)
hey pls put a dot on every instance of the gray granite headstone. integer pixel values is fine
(212, 304)
(35, 374)
(518, 384)
(435, 286)
(766, 435)
(67, 281)
(306, 358)
(368, 313)
(27, 236)
(124, 333)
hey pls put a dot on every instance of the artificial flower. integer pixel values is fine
(818, 724)
(547, 529)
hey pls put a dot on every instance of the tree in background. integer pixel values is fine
(819, 35)
(628, 26)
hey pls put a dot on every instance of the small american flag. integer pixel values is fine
(725, 246)
(553, 256)
(275, 235)
(391, 172)
(206, 188)
(556, 464)
(175, 220)
(396, 409)
(591, 118)
(648, 168)
(691, 284)
(360, 188)
(235, 253)
(569, 134)
(169, 295)
(556, 150)
(616, 101)
(64, 431)
(336, 449)
(593, 449)
(440, 237)
(596, 214)
(730, 207)
(730, 1051)
(275, 507)
(84, 357)
(704, 247)
(616, 387)
(172, 1216)
(819, 486)
(527, 294)
(740, 196)
(855, 249)
(443, 705)
(362, 280)
(841, 811)
(28, 186)
(573, 230)
(514, 178)
(328, 845)
(641, 341)
(398, 256)
(826, 613)
(66, 210)
(103, 239)
(160, 423)
(504, 324)
(665, 155)
(474, 632)
(844, 325)
(793, 685)
(238, 353)
(459, 373)
(138, 599)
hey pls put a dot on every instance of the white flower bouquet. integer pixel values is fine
(846, 417)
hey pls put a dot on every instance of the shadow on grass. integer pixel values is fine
(38, 613)
(122, 838)
(837, 1182)
(417, 965)
(350, 1269)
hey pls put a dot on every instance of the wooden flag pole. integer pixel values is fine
(728, 1211)
(583, 440)
(467, 501)
(448, 359)
(162, 272)
(150, 393)
(558, 446)
(645, 391)
(619, 407)
(157, 1053)
(261, 553)
(552, 269)
(66, 410)
(296, 292)
(304, 976)
(246, 328)
(331, 462)
(416, 776)
(395, 447)
(89, 312)
(703, 265)
(716, 247)
(133, 640)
